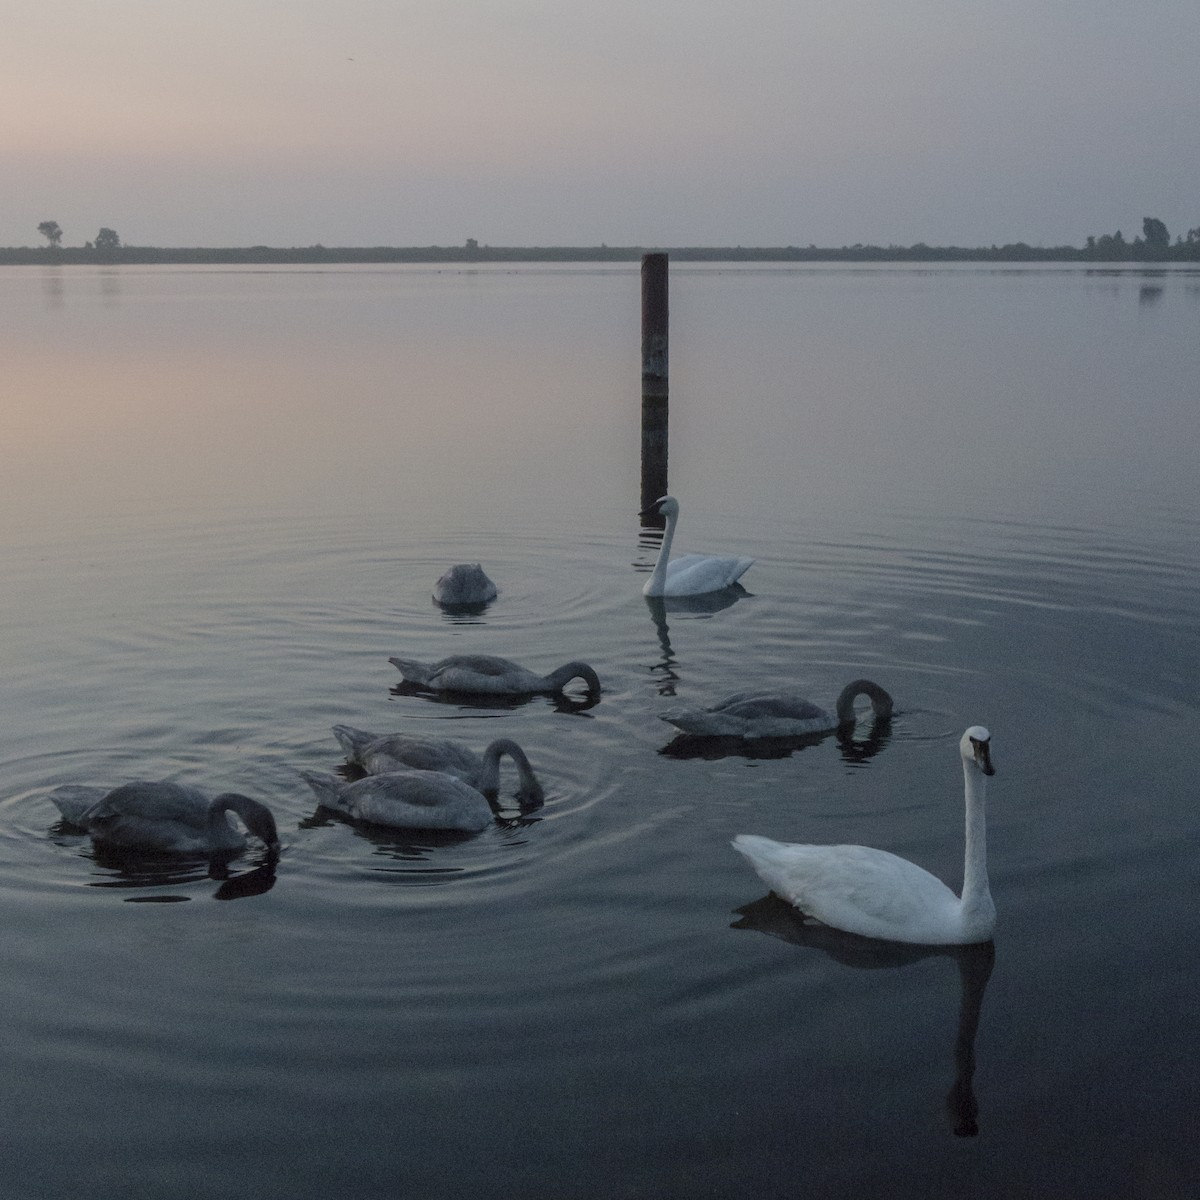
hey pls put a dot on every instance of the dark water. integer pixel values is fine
(226, 496)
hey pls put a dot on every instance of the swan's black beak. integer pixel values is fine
(983, 756)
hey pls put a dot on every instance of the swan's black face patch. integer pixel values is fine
(983, 756)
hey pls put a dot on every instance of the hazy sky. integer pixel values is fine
(568, 122)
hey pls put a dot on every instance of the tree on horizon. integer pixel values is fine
(1155, 234)
(52, 232)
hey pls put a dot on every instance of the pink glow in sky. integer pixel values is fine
(520, 122)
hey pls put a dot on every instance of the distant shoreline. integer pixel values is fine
(474, 254)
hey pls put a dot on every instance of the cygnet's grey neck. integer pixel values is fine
(881, 702)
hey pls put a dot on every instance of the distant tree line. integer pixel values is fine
(106, 245)
(1155, 245)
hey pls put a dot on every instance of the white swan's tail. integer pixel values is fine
(740, 567)
(73, 800)
(768, 857)
(413, 671)
(352, 741)
(753, 846)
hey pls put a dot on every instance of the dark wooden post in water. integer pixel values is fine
(654, 377)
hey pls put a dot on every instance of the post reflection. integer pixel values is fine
(53, 291)
(778, 919)
(701, 606)
(561, 702)
(110, 286)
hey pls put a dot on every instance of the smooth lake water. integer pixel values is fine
(225, 495)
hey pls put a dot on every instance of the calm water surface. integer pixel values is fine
(225, 496)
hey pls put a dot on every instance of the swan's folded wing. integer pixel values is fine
(856, 888)
(422, 753)
(689, 562)
(418, 799)
(159, 801)
(485, 674)
(754, 714)
(691, 574)
(480, 664)
(785, 705)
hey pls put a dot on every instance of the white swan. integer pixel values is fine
(406, 799)
(690, 574)
(378, 755)
(463, 585)
(164, 816)
(486, 674)
(777, 714)
(879, 895)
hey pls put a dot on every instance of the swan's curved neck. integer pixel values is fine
(974, 970)
(659, 575)
(256, 817)
(574, 670)
(976, 895)
(881, 702)
(489, 777)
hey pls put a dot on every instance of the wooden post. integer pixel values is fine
(654, 377)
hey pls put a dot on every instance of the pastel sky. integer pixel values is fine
(576, 122)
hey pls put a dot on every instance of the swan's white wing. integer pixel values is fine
(858, 889)
(693, 574)
(682, 563)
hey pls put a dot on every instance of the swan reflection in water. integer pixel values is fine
(141, 871)
(854, 746)
(696, 607)
(563, 702)
(777, 918)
